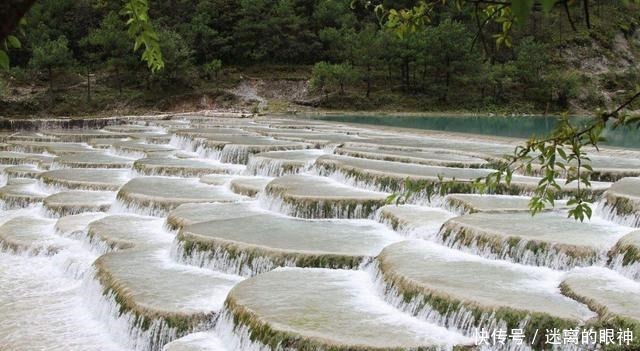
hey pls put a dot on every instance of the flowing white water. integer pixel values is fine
(54, 299)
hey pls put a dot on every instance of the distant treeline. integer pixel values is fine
(447, 63)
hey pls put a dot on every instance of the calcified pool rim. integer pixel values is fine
(273, 147)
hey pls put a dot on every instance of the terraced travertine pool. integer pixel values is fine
(196, 232)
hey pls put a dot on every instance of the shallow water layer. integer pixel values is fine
(151, 269)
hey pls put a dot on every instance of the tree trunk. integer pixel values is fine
(341, 88)
(119, 80)
(88, 85)
(50, 72)
(406, 73)
(368, 81)
(447, 80)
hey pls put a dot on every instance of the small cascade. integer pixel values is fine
(139, 333)
(630, 270)
(186, 143)
(234, 260)
(457, 318)
(308, 196)
(313, 208)
(232, 153)
(268, 167)
(222, 260)
(236, 336)
(618, 211)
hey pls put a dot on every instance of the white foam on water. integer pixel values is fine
(610, 213)
(631, 271)
(221, 260)
(201, 341)
(42, 306)
(463, 320)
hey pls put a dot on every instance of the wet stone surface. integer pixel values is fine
(220, 231)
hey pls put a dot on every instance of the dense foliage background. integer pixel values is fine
(76, 57)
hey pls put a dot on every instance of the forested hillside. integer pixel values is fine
(76, 57)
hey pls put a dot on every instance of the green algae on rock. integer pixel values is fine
(249, 186)
(22, 171)
(392, 177)
(161, 297)
(625, 256)
(322, 309)
(309, 196)
(18, 158)
(614, 297)
(55, 148)
(621, 202)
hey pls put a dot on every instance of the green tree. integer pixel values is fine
(51, 54)
(213, 68)
(447, 56)
(366, 51)
(178, 60)
(321, 76)
(109, 44)
(325, 76)
(344, 75)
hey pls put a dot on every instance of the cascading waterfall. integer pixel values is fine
(222, 261)
(611, 213)
(97, 318)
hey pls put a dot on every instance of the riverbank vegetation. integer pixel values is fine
(77, 57)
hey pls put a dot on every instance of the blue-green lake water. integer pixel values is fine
(519, 127)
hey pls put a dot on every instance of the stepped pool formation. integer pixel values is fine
(222, 232)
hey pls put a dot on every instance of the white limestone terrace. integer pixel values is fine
(185, 167)
(279, 163)
(466, 291)
(547, 239)
(472, 203)
(255, 241)
(433, 157)
(391, 176)
(324, 309)
(137, 236)
(614, 297)
(308, 196)
(92, 160)
(625, 256)
(75, 202)
(22, 171)
(85, 178)
(21, 192)
(621, 202)
(157, 195)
